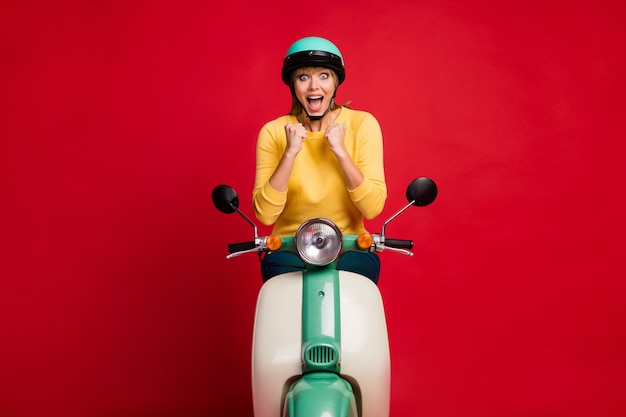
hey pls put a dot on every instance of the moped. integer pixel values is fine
(320, 345)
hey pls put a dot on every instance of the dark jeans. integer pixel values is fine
(364, 263)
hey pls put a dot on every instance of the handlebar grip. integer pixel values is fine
(399, 243)
(239, 247)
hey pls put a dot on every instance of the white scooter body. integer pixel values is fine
(277, 343)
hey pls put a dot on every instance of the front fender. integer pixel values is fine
(320, 394)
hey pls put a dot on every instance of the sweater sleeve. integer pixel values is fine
(370, 196)
(268, 203)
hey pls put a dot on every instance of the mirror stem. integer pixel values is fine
(382, 233)
(256, 234)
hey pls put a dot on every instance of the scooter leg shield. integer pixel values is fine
(277, 344)
(320, 394)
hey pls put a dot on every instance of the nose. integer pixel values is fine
(314, 83)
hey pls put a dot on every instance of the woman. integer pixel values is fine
(320, 160)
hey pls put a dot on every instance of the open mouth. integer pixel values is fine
(315, 102)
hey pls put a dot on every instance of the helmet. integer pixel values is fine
(313, 52)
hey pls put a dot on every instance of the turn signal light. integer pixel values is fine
(274, 242)
(364, 240)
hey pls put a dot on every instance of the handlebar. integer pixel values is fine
(379, 244)
(420, 192)
(241, 247)
(399, 243)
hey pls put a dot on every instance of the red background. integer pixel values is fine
(119, 117)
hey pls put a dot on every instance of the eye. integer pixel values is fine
(303, 77)
(324, 75)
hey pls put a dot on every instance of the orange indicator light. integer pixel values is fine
(274, 242)
(364, 240)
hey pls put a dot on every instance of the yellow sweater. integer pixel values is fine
(317, 187)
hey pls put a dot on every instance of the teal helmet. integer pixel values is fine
(313, 52)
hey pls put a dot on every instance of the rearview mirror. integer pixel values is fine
(421, 191)
(225, 199)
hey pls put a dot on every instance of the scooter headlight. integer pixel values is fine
(318, 241)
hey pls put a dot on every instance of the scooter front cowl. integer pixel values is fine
(277, 344)
(320, 394)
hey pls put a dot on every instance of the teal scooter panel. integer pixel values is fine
(321, 321)
(320, 394)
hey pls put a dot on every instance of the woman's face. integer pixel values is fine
(314, 88)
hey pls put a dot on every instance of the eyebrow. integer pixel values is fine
(308, 70)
